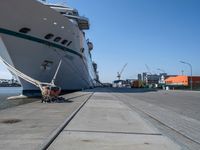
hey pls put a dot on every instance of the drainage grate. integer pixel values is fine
(10, 121)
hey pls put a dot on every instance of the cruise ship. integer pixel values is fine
(35, 36)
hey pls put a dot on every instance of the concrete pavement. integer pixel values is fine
(185, 103)
(106, 123)
(110, 119)
(26, 127)
(176, 111)
(187, 126)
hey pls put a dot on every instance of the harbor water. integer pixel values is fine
(6, 92)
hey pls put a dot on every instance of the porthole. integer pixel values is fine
(49, 36)
(57, 39)
(64, 42)
(24, 30)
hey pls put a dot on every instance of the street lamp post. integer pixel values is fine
(182, 71)
(162, 77)
(190, 71)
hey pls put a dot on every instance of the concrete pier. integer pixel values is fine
(103, 119)
(28, 126)
(105, 123)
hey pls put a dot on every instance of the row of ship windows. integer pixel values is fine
(48, 37)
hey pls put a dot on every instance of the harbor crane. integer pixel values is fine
(50, 92)
(120, 73)
(148, 69)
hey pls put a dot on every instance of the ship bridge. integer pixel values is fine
(71, 13)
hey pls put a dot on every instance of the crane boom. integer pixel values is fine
(123, 68)
(120, 73)
(148, 69)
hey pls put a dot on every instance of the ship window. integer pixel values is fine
(62, 13)
(64, 42)
(57, 39)
(69, 43)
(48, 36)
(69, 13)
(24, 30)
(75, 13)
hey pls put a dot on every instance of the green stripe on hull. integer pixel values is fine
(38, 40)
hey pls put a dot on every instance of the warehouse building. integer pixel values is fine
(183, 81)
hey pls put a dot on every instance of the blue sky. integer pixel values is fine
(158, 33)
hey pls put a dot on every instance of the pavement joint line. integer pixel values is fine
(76, 96)
(113, 132)
(103, 99)
(149, 115)
(57, 131)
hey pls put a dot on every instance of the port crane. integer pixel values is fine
(148, 69)
(120, 73)
(49, 91)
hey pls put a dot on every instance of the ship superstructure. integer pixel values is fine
(35, 36)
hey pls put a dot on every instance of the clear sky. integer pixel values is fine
(158, 33)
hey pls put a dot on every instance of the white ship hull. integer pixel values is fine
(29, 52)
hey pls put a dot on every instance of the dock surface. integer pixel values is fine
(104, 119)
(35, 122)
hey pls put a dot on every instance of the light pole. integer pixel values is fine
(183, 62)
(162, 76)
(182, 71)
